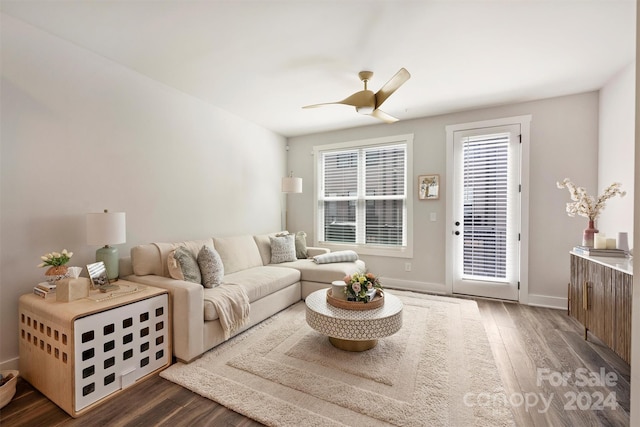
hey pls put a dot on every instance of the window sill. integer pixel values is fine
(385, 251)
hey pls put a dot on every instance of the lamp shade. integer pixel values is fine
(107, 228)
(291, 184)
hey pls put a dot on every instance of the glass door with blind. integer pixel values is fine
(485, 237)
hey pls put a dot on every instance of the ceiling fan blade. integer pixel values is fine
(391, 86)
(379, 114)
(320, 105)
(364, 98)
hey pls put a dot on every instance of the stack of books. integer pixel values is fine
(586, 250)
(45, 290)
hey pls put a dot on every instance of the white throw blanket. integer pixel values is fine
(232, 304)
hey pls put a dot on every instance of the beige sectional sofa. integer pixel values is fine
(247, 262)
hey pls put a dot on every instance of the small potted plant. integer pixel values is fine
(361, 287)
(56, 262)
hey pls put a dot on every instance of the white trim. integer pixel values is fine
(11, 364)
(525, 130)
(364, 142)
(549, 302)
(545, 301)
(413, 285)
(397, 252)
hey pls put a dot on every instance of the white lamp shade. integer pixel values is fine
(108, 228)
(291, 184)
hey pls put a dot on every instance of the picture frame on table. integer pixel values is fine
(98, 275)
(429, 187)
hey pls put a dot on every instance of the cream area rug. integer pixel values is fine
(438, 370)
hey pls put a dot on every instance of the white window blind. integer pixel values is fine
(340, 195)
(362, 197)
(486, 201)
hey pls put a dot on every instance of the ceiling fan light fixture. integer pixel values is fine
(367, 102)
(365, 110)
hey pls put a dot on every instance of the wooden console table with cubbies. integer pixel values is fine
(600, 293)
(81, 352)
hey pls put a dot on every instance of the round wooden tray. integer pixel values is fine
(376, 302)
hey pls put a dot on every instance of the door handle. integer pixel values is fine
(457, 233)
(457, 223)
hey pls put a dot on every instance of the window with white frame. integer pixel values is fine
(363, 194)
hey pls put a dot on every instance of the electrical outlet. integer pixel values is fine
(432, 216)
(407, 266)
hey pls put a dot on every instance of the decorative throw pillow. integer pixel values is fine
(183, 265)
(301, 245)
(211, 267)
(283, 249)
(339, 256)
(174, 269)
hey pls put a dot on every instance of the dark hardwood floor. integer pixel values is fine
(551, 375)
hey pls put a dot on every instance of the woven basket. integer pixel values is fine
(8, 389)
(376, 302)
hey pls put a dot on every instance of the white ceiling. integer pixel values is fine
(264, 59)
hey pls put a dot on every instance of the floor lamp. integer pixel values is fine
(290, 184)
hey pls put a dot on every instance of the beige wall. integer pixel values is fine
(564, 143)
(616, 148)
(81, 133)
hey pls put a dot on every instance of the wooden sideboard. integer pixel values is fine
(600, 299)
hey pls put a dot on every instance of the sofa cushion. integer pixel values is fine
(146, 259)
(283, 248)
(258, 282)
(175, 270)
(185, 267)
(301, 245)
(325, 273)
(264, 245)
(237, 253)
(152, 258)
(211, 267)
(262, 281)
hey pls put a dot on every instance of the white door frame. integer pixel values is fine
(525, 126)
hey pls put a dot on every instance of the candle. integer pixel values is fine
(611, 243)
(599, 241)
(623, 241)
(337, 290)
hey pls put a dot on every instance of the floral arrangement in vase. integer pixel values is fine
(56, 262)
(588, 206)
(360, 287)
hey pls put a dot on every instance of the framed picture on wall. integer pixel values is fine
(429, 187)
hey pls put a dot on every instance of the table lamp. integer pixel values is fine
(107, 228)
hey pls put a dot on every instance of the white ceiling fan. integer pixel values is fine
(367, 102)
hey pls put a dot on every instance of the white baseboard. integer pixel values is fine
(548, 302)
(440, 288)
(412, 285)
(9, 364)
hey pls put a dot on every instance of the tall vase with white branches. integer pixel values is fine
(588, 206)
